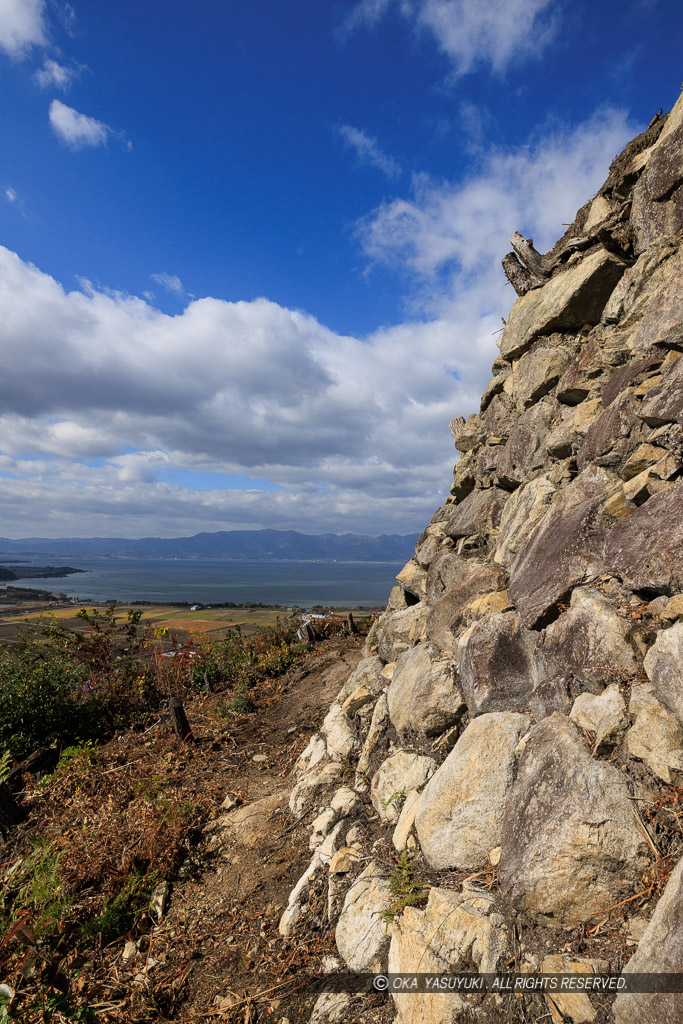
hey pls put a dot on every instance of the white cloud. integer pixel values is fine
(55, 75)
(77, 130)
(170, 282)
(465, 227)
(10, 194)
(22, 26)
(470, 32)
(351, 432)
(365, 12)
(368, 151)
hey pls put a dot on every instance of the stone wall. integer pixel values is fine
(520, 705)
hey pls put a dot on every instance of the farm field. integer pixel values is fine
(180, 622)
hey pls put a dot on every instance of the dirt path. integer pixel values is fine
(218, 946)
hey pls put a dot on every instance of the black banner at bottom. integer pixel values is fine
(470, 983)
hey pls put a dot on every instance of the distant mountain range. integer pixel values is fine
(233, 544)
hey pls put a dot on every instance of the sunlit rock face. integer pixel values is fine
(527, 676)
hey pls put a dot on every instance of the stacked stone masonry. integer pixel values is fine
(520, 705)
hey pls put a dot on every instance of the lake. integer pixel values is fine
(214, 582)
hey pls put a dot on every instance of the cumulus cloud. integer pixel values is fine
(22, 26)
(170, 282)
(471, 32)
(56, 76)
(77, 130)
(368, 151)
(109, 394)
(465, 226)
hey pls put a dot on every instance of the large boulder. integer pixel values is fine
(646, 549)
(362, 936)
(564, 549)
(664, 666)
(424, 696)
(495, 664)
(394, 779)
(566, 302)
(460, 814)
(570, 845)
(660, 951)
(454, 930)
(585, 648)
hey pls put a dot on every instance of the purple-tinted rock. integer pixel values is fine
(617, 421)
(646, 549)
(495, 666)
(479, 513)
(624, 375)
(564, 549)
(664, 404)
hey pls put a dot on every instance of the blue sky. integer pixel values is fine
(250, 261)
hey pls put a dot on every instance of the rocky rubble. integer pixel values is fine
(520, 705)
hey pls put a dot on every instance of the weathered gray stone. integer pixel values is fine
(446, 616)
(469, 435)
(453, 930)
(626, 297)
(603, 714)
(537, 372)
(444, 573)
(495, 666)
(570, 843)
(361, 935)
(413, 578)
(588, 642)
(395, 777)
(615, 422)
(378, 725)
(524, 451)
(460, 813)
(657, 209)
(664, 404)
(664, 667)
(656, 736)
(479, 512)
(660, 951)
(400, 631)
(625, 375)
(657, 318)
(564, 549)
(525, 507)
(424, 696)
(567, 301)
(646, 549)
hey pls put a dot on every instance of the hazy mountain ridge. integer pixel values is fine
(233, 544)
